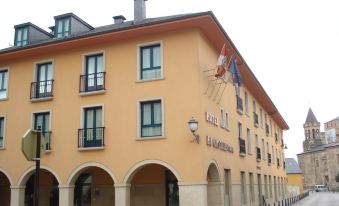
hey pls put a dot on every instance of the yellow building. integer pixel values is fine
(113, 104)
(294, 177)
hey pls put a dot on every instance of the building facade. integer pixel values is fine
(320, 159)
(113, 104)
(295, 185)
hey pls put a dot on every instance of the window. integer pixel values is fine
(3, 83)
(270, 186)
(151, 118)
(92, 134)
(251, 187)
(226, 121)
(150, 62)
(266, 188)
(94, 77)
(21, 36)
(248, 141)
(243, 188)
(263, 149)
(2, 131)
(63, 27)
(239, 130)
(246, 103)
(261, 120)
(222, 119)
(42, 120)
(272, 154)
(43, 86)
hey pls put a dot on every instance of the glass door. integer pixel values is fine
(42, 120)
(93, 131)
(44, 80)
(172, 189)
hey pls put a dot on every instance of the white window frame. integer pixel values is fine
(7, 86)
(82, 116)
(222, 118)
(138, 134)
(42, 111)
(4, 133)
(246, 104)
(83, 70)
(160, 42)
(248, 138)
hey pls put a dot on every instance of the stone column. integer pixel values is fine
(193, 194)
(17, 195)
(66, 195)
(122, 194)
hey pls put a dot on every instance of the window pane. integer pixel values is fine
(42, 74)
(156, 57)
(59, 27)
(2, 80)
(25, 34)
(66, 24)
(46, 125)
(90, 65)
(146, 114)
(99, 64)
(1, 127)
(89, 118)
(146, 57)
(49, 72)
(157, 113)
(98, 121)
(19, 35)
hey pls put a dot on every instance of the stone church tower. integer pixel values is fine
(313, 137)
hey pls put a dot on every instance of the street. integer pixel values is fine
(320, 199)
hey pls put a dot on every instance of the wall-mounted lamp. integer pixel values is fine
(193, 126)
(285, 146)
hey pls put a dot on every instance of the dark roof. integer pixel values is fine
(32, 25)
(292, 166)
(321, 147)
(107, 29)
(74, 16)
(311, 117)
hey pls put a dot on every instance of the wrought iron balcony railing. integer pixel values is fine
(42, 89)
(92, 82)
(267, 129)
(91, 137)
(269, 159)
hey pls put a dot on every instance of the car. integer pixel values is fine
(320, 188)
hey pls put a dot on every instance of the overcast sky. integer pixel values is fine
(290, 45)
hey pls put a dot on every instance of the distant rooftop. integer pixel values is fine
(292, 166)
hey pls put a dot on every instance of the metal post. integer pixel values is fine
(37, 168)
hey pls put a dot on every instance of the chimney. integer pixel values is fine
(139, 10)
(119, 19)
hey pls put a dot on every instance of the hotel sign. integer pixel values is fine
(211, 118)
(218, 144)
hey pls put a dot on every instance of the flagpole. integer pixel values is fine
(37, 168)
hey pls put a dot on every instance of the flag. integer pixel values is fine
(221, 63)
(237, 80)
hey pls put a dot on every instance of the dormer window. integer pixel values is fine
(21, 36)
(63, 27)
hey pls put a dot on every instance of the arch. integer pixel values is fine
(76, 172)
(7, 175)
(25, 176)
(141, 164)
(215, 172)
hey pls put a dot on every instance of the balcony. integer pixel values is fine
(42, 89)
(258, 154)
(269, 159)
(256, 119)
(242, 147)
(47, 136)
(276, 137)
(91, 137)
(278, 162)
(92, 82)
(267, 129)
(240, 108)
